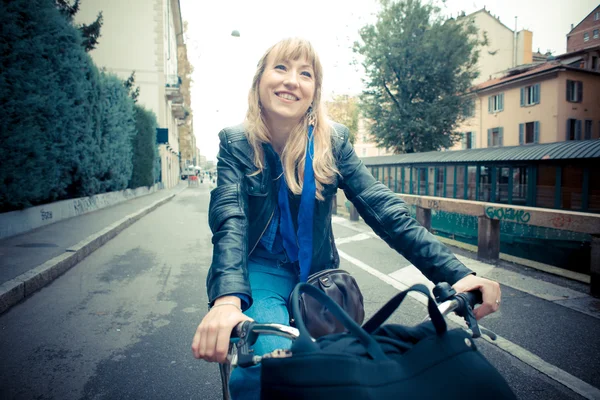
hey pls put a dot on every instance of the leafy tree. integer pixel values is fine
(144, 148)
(90, 32)
(49, 101)
(418, 67)
(345, 110)
(134, 93)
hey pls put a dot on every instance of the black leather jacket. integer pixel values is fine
(241, 207)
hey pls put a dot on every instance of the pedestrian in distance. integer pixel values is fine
(270, 213)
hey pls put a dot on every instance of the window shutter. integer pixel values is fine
(569, 90)
(578, 129)
(588, 130)
(489, 138)
(522, 97)
(490, 104)
(537, 93)
(464, 140)
(501, 136)
(579, 91)
(536, 132)
(473, 144)
(521, 133)
(501, 101)
(568, 129)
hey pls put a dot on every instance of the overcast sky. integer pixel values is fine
(224, 65)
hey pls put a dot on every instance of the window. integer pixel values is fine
(496, 103)
(594, 63)
(364, 151)
(586, 37)
(468, 141)
(597, 16)
(573, 129)
(596, 34)
(574, 91)
(588, 130)
(495, 137)
(530, 95)
(529, 132)
(470, 109)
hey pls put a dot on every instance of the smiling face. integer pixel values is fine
(286, 88)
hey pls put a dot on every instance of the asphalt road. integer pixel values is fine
(119, 324)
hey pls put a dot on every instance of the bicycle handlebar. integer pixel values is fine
(248, 331)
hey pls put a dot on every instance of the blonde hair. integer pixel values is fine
(294, 154)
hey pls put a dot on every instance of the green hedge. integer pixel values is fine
(144, 148)
(67, 130)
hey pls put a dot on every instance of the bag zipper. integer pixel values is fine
(317, 275)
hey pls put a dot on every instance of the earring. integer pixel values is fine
(311, 116)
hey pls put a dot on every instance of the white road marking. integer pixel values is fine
(560, 295)
(575, 384)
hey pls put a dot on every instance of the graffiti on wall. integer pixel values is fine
(508, 214)
(46, 214)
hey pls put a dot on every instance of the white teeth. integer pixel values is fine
(287, 96)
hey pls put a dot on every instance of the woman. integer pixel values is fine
(271, 211)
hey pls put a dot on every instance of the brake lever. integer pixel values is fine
(244, 354)
(465, 311)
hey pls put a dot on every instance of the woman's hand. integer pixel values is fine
(211, 341)
(490, 291)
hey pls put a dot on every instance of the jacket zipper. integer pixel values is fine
(263, 232)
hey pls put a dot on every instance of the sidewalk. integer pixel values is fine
(33, 259)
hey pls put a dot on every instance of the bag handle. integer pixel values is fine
(305, 343)
(384, 312)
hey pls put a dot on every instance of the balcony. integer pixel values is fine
(178, 111)
(172, 91)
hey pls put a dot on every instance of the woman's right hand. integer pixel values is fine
(211, 341)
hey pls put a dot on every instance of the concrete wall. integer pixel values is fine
(128, 43)
(16, 222)
(498, 54)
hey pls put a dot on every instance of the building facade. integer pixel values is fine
(586, 33)
(365, 146)
(505, 49)
(143, 36)
(545, 103)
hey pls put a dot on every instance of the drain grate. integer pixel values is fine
(37, 245)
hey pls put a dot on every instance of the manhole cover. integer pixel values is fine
(37, 245)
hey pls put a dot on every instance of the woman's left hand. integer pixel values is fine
(490, 291)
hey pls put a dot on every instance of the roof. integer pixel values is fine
(561, 62)
(537, 69)
(569, 150)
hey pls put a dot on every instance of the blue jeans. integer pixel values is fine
(271, 287)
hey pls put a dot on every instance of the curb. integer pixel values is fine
(24, 285)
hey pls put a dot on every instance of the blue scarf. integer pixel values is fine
(299, 247)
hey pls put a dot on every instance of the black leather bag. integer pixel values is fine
(381, 362)
(340, 286)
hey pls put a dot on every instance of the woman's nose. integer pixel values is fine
(291, 81)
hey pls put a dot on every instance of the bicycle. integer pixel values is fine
(245, 334)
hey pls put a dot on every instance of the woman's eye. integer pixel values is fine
(280, 66)
(306, 73)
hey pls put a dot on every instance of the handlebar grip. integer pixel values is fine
(473, 298)
(241, 329)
